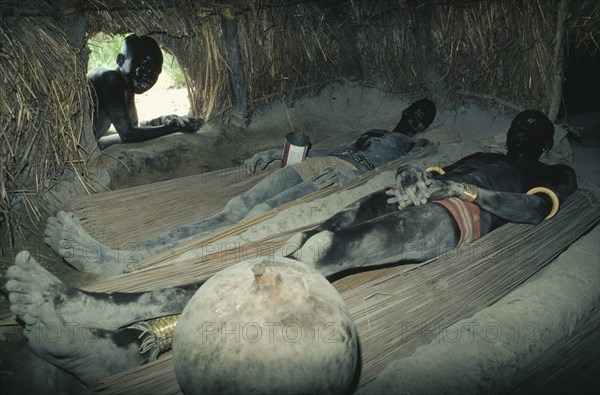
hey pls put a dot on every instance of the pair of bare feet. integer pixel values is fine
(64, 326)
(83, 333)
(79, 331)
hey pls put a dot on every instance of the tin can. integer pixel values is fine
(295, 148)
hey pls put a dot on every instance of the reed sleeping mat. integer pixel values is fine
(433, 295)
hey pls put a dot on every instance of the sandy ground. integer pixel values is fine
(345, 109)
(157, 102)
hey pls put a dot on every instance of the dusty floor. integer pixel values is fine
(340, 110)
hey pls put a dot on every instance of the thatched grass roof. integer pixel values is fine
(501, 50)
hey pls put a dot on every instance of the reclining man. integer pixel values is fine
(138, 67)
(493, 188)
(371, 149)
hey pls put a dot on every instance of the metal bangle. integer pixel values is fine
(469, 194)
(551, 194)
(435, 169)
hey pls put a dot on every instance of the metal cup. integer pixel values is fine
(295, 148)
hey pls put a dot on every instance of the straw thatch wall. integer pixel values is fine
(239, 55)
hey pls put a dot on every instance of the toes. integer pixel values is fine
(66, 253)
(52, 222)
(14, 285)
(26, 262)
(48, 241)
(28, 320)
(21, 310)
(65, 218)
(50, 230)
(18, 299)
(28, 315)
(23, 257)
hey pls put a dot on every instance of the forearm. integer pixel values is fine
(274, 154)
(510, 206)
(514, 207)
(143, 133)
(318, 153)
(153, 122)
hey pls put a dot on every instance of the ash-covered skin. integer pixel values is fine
(32, 288)
(78, 331)
(371, 231)
(69, 240)
(138, 66)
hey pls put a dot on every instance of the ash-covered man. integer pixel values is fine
(438, 212)
(474, 196)
(371, 149)
(138, 67)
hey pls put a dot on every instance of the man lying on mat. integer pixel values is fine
(435, 211)
(371, 149)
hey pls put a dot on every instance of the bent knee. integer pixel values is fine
(235, 204)
(259, 209)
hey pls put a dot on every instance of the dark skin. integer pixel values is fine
(370, 232)
(138, 66)
(345, 240)
(285, 185)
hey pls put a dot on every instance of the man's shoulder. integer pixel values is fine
(485, 156)
(560, 178)
(374, 132)
(104, 76)
(559, 170)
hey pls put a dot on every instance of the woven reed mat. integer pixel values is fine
(135, 214)
(211, 254)
(139, 213)
(400, 310)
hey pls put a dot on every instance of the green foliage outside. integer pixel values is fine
(105, 48)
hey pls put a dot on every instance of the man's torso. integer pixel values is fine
(378, 147)
(109, 89)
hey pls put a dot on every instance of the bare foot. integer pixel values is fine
(68, 239)
(88, 352)
(32, 290)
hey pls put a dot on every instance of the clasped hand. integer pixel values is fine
(186, 124)
(412, 187)
(333, 175)
(416, 187)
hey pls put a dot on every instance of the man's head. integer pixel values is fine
(140, 61)
(530, 134)
(416, 118)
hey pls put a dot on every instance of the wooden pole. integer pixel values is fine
(559, 60)
(339, 21)
(426, 54)
(237, 79)
(73, 21)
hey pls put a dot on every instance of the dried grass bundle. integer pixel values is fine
(584, 25)
(501, 49)
(43, 106)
